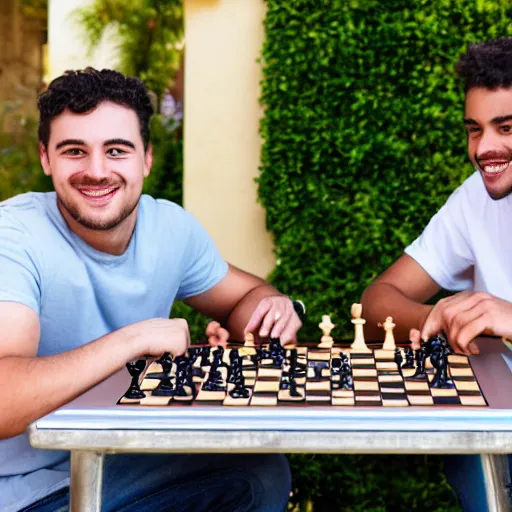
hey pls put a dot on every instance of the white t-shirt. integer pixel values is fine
(467, 245)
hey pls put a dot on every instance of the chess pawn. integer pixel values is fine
(326, 341)
(389, 339)
(359, 344)
(249, 340)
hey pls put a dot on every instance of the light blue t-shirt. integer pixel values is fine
(81, 294)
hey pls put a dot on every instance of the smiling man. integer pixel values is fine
(467, 245)
(88, 277)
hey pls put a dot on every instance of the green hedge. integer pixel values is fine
(363, 142)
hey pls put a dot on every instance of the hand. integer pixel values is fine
(275, 318)
(216, 334)
(158, 335)
(466, 315)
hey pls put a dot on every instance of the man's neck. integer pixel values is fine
(114, 241)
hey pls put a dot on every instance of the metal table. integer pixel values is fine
(92, 425)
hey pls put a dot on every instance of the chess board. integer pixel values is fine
(375, 380)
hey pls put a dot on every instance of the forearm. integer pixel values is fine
(35, 386)
(381, 300)
(243, 310)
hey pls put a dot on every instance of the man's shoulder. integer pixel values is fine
(163, 209)
(25, 209)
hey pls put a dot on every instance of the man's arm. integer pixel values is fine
(399, 292)
(245, 303)
(34, 386)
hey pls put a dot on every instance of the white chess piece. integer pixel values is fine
(326, 341)
(389, 339)
(359, 344)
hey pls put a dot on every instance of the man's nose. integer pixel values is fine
(489, 143)
(98, 165)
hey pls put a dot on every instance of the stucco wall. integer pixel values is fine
(222, 112)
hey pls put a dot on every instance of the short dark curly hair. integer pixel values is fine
(487, 64)
(83, 90)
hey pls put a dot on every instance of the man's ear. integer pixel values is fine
(45, 162)
(148, 160)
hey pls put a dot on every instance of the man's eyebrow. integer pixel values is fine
(70, 142)
(469, 121)
(501, 119)
(121, 142)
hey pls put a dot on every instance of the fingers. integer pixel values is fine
(415, 339)
(269, 321)
(452, 314)
(216, 334)
(256, 318)
(289, 334)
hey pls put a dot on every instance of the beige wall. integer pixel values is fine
(222, 112)
(67, 48)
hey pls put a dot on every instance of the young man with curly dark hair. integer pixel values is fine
(466, 246)
(88, 276)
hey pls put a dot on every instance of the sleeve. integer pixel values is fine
(203, 266)
(443, 249)
(20, 277)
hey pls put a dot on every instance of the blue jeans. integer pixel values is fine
(465, 474)
(187, 483)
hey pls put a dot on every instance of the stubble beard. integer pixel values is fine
(92, 224)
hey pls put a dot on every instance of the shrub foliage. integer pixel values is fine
(363, 142)
(363, 135)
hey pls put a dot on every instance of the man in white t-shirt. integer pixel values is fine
(466, 247)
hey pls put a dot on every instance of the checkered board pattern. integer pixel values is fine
(376, 382)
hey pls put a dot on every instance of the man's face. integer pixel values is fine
(488, 120)
(98, 164)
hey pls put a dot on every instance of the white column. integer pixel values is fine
(223, 40)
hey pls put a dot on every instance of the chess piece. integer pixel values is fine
(398, 359)
(249, 340)
(409, 358)
(277, 352)
(420, 355)
(326, 341)
(345, 372)
(389, 339)
(135, 369)
(359, 344)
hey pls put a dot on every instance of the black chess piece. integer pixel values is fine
(296, 369)
(293, 387)
(398, 359)
(346, 381)
(135, 369)
(234, 356)
(182, 379)
(439, 359)
(277, 352)
(409, 358)
(240, 390)
(420, 356)
(205, 356)
(165, 387)
(285, 381)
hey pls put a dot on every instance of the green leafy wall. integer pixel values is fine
(363, 142)
(363, 135)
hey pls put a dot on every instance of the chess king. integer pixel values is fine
(88, 276)
(466, 246)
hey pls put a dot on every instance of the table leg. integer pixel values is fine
(496, 477)
(86, 478)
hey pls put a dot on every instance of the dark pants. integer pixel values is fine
(187, 483)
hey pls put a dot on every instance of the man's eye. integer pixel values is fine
(74, 151)
(116, 152)
(473, 129)
(506, 128)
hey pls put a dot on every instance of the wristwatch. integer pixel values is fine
(299, 308)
